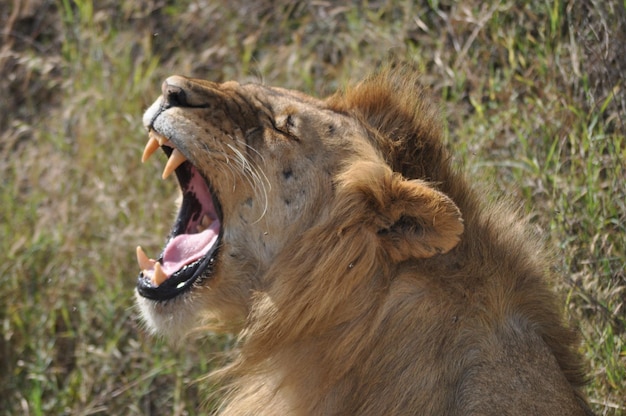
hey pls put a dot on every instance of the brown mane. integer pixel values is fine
(405, 123)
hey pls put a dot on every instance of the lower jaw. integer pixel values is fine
(180, 282)
(173, 319)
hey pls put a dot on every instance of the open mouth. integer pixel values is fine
(190, 250)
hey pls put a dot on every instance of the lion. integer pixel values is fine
(360, 269)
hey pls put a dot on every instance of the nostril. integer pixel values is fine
(174, 96)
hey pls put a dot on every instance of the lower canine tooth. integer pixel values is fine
(144, 262)
(159, 275)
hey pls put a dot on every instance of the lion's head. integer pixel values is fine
(364, 274)
(266, 171)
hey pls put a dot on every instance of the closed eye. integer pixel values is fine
(287, 126)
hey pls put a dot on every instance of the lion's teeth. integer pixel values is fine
(151, 147)
(204, 224)
(162, 140)
(175, 160)
(159, 275)
(158, 137)
(206, 221)
(144, 262)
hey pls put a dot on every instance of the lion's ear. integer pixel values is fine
(410, 218)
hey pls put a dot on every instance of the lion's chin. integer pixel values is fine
(172, 320)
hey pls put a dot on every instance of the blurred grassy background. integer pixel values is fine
(535, 103)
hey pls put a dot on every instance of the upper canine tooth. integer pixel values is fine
(175, 160)
(151, 147)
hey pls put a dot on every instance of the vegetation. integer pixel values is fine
(534, 97)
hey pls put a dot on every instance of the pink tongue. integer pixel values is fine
(186, 248)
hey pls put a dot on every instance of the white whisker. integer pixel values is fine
(253, 174)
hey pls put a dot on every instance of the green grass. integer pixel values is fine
(534, 100)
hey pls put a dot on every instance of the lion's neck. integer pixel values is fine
(335, 369)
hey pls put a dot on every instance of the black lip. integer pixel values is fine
(184, 279)
(181, 281)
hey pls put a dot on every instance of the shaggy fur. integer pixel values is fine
(363, 273)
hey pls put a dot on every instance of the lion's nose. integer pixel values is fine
(174, 95)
